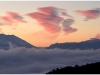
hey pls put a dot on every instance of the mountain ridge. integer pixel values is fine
(92, 43)
(5, 40)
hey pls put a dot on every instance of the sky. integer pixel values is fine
(42, 23)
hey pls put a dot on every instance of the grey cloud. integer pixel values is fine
(26, 61)
(68, 22)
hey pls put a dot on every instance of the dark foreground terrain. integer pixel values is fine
(93, 68)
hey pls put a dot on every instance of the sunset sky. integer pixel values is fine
(42, 23)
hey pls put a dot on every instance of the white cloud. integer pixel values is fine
(26, 61)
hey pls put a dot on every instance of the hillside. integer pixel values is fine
(7, 41)
(93, 68)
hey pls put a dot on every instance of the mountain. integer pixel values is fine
(92, 68)
(93, 43)
(8, 41)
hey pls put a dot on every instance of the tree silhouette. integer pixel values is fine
(92, 68)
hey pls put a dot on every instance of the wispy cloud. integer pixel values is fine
(6, 20)
(11, 18)
(68, 29)
(16, 17)
(90, 14)
(50, 18)
(67, 26)
(1, 24)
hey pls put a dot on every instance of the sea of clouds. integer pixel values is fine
(22, 60)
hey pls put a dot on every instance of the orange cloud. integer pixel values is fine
(90, 14)
(13, 28)
(1, 30)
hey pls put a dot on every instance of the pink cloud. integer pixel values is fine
(48, 10)
(1, 24)
(97, 36)
(49, 23)
(50, 19)
(52, 28)
(47, 19)
(15, 16)
(6, 20)
(12, 18)
(89, 14)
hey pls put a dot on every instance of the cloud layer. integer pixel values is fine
(23, 60)
(52, 19)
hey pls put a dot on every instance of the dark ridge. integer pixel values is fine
(93, 68)
(14, 40)
(88, 44)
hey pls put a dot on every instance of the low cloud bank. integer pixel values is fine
(26, 61)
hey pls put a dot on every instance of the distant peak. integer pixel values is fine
(94, 39)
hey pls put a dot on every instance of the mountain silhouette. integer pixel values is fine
(93, 43)
(8, 41)
(92, 68)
